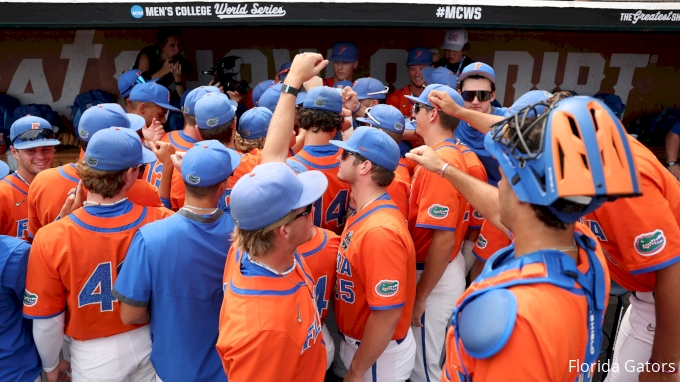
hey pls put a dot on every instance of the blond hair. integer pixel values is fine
(104, 183)
(260, 241)
(247, 145)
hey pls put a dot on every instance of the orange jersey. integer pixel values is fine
(50, 188)
(375, 270)
(546, 315)
(489, 241)
(329, 212)
(398, 99)
(328, 82)
(154, 172)
(641, 235)
(477, 170)
(400, 188)
(319, 254)
(270, 329)
(13, 207)
(435, 204)
(74, 263)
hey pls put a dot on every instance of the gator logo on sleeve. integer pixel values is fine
(387, 288)
(477, 215)
(438, 211)
(650, 243)
(346, 241)
(30, 299)
(481, 241)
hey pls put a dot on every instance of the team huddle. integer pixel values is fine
(307, 236)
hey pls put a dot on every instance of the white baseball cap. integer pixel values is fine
(455, 39)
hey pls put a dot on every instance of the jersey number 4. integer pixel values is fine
(97, 289)
(335, 211)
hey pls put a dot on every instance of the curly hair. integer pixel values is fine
(246, 145)
(320, 120)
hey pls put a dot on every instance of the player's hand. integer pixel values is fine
(75, 199)
(350, 99)
(235, 96)
(154, 132)
(443, 102)
(304, 66)
(163, 151)
(646, 376)
(426, 157)
(675, 171)
(313, 82)
(436, 57)
(61, 373)
(177, 160)
(418, 311)
(217, 85)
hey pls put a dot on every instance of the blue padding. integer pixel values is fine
(486, 323)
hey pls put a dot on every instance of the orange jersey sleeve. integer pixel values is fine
(398, 100)
(400, 189)
(477, 170)
(178, 191)
(144, 194)
(13, 207)
(375, 269)
(47, 195)
(74, 263)
(489, 241)
(329, 212)
(435, 204)
(319, 254)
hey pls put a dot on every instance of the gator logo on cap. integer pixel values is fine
(30, 299)
(35, 126)
(83, 133)
(438, 211)
(399, 126)
(547, 94)
(320, 102)
(244, 133)
(235, 221)
(212, 122)
(185, 109)
(478, 65)
(387, 288)
(477, 215)
(650, 243)
(193, 179)
(481, 241)
(92, 161)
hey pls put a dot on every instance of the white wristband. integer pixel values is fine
(444, 169)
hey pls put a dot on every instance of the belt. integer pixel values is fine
(351, 340)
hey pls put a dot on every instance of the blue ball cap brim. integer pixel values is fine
(136, 121)
(20, 145)
(314, 184)
(148, 156)
(4, 169)
(235, 159)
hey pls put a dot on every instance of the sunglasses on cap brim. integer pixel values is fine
(34, 135)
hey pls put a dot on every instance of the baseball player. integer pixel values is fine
(252, 130)
(345, 59)
(418, 59)
(322, 118)
(151, 101)
(51, 187)
(388, 119)
(489, 241)
(375, 268)
(437, 225)
(32, 144)
(74, 263)
(551, 286)
(147, 284)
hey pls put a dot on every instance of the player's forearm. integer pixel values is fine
(378, 332)
(48, 335)
(131, 315)
(666, 347)
(672, 146)
(166, 181)
(478, 120)
(438, 255)
(482, 196)
(476, 269)
(281, 125)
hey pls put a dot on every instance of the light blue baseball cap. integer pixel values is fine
(296, 166)
(259, 90)
(374, 145)
(423, 98)
(116, 149)
(270, 97)
(212, 110)
(153, 93)
(323, 98)
(193, 97)
(4, 169)
(478, 69)
(30, 132)
(209, 163)
(370, 88)
(386, 117)
(129, 79)
(443, 76)
(254, 123)
(528, 99)
(271, 191)
(107, 115)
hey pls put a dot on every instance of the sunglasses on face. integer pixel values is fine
(306, 212)
(418, 106)
(32, 135)
(482, 95)
(345, 153)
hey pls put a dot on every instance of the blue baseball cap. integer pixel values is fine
(194, 96)
(107, 115)
(427, 75)
(410, 124)
(129, 79)
(254, 123)
(283, 71)
(478, 69)
(270, 97)
(212, 110)
(528, 99)
(342, 84)
(384, 117)
(4, 169)
(323, 98)
(296, 166)
(30, 132)
(613, 101)
(300, 98)
(443, 76)
(370, 88)
(374, 145)
(154, 93)
(419, 56)
(423, 98)
(344, 52)
(208, 163)
(276, 190)
(260, 89)
(116, 149)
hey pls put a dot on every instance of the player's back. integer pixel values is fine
(400, 188)
(13, 206)
(319, 254)
(330, 210)
(74, 264)
(47, 195)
